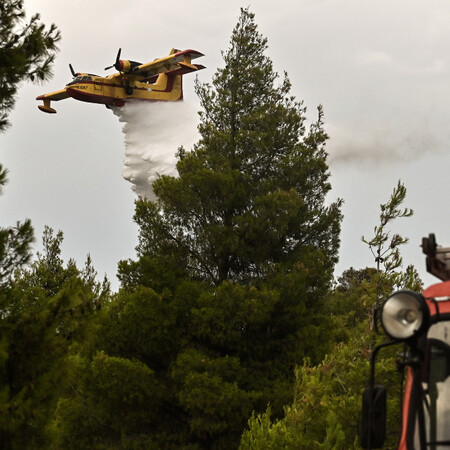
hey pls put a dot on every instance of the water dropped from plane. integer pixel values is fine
(153, 132)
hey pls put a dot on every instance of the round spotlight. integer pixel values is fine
(404, 314)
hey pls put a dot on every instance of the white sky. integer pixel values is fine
(380, 68)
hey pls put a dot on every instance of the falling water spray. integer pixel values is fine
(153, 132)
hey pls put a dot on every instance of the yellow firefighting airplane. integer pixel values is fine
(160, 80)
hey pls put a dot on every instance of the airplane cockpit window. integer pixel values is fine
(75, 80)
(79, 78)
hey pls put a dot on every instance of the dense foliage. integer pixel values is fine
(326, 411)
(35, 333)
(46, 312)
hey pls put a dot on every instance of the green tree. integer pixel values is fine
(385, 248)
(15, 244)
(250, 196)
(46, 310)
(326, 409)
(45, 315)
(234, 259)
(27, 51)
(120, 403)
(15, 251)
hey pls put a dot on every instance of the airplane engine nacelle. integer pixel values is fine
(125, 65)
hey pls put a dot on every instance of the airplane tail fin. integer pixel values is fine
(180, 64)
(168, 72)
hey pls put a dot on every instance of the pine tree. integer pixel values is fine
(234, 259)
(249, 198)
(27, 51)
(384, 248)
(326, 411)
(45, 314)
(46, 309)
(15, 244)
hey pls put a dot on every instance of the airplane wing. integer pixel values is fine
(56, 96)
(170, 64)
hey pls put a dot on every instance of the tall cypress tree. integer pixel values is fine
(233, 260)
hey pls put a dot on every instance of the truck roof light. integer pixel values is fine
(404, 315)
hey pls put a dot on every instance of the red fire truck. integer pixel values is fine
(422, 322)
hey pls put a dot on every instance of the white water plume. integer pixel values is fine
(153, 132)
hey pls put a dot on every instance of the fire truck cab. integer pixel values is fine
(422, 322)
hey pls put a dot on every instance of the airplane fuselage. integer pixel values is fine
(108, 91)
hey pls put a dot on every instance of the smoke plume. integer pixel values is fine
(366, 145)
(153, 132)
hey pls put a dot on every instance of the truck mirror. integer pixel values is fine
(373, 417)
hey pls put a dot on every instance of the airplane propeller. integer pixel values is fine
(72, 71)
(117, 63)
